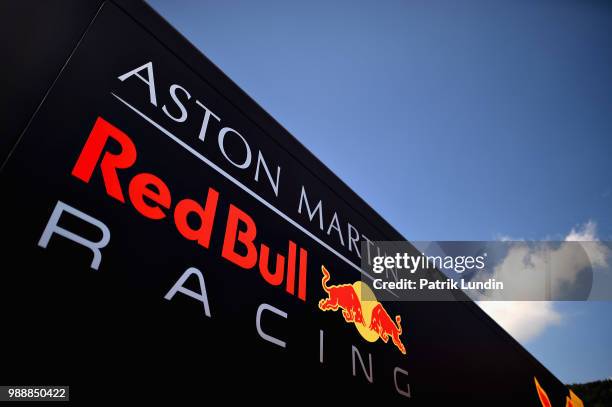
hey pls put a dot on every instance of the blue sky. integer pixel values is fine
(455, 121)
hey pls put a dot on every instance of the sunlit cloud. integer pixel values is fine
(526, 320)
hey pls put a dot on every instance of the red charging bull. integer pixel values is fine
(359, 305)
(343, 297)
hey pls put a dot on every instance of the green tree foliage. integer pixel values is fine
(594, 394)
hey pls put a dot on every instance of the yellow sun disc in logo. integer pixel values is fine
(368, 302)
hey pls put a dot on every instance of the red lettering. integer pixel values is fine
(302, 275)
(206, 215)
(277, 277)
(291, 268)
(140, 188)
(151, 197)
(246, 237)
(86, 163)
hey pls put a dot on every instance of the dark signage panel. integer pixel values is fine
(165, 238)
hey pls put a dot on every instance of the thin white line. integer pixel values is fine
(243, 187)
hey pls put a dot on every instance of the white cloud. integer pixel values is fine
(598, 253)
(525, 320)
(586, 233)
(508, 238)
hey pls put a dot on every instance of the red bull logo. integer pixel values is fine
(360, 307)
(342, 296)
(384, 326)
